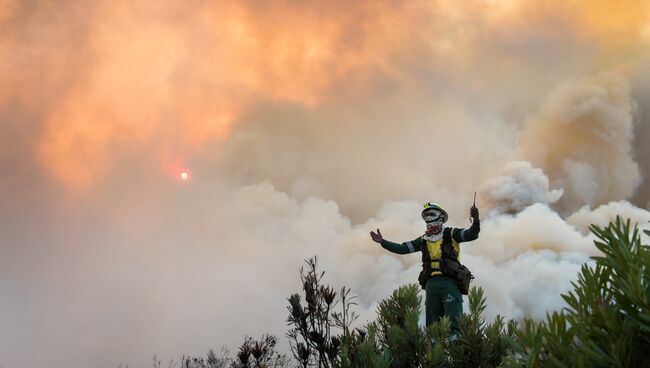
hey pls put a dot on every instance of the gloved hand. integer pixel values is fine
(473, 212)
(376, 236)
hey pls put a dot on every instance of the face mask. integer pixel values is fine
(434, 230)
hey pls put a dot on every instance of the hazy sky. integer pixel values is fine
(302, 126)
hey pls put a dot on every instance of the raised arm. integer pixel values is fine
(403, 248)
(464, 235)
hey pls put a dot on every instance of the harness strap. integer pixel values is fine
(448, 250)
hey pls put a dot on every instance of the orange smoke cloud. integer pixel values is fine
(150, 72)
(157, 75)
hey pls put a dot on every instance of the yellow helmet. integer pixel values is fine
(429, 206)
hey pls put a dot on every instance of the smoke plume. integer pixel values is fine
(582, 138)
(518, 186)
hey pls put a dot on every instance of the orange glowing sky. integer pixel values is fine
(111, 74)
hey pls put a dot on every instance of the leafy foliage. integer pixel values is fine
(607, 321)
(481, 344)
(396, 339)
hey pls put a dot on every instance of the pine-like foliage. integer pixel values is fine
(607, 321)
(481, 344)
(397, 326)
(396, 340)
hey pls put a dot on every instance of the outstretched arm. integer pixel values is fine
(403, 248)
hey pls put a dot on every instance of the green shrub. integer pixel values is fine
(396, 340)
(607, 321)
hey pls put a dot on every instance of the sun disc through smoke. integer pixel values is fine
(184, 175)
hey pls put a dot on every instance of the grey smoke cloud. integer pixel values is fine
(582, 138)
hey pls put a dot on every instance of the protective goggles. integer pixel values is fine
(433, 215)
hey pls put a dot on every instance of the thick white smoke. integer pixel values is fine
(518, 186)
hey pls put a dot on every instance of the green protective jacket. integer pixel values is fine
(459, 235)
(442, 295)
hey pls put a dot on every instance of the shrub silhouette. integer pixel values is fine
(259, 354)
(310, 334)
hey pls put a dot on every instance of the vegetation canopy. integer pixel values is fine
(606, 323)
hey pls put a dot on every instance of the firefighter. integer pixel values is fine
(441, 285)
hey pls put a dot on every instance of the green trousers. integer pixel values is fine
(443, 299)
